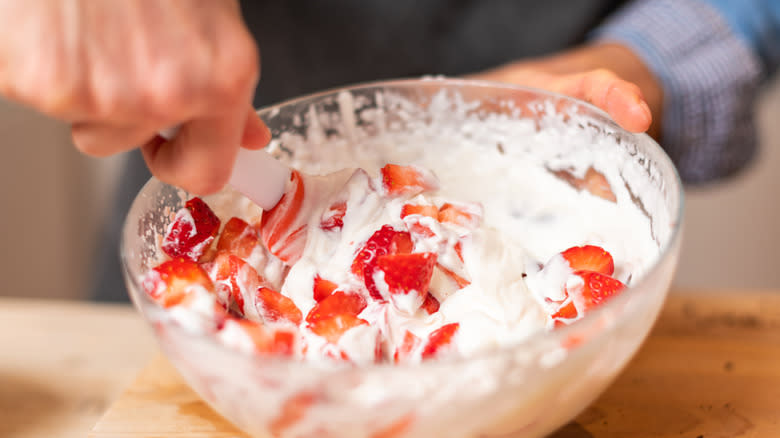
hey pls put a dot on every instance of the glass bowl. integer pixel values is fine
(527, 389)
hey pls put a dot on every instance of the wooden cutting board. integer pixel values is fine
(710, 369)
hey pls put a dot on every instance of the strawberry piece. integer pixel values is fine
(439, 339)
(173, 281)
(431, 304)
(407, 180)
(384, 241)
(333, 217)
(567, 311)
(281, 233)
(424, 210)
(238, 237)
(337, 303)
(323, 288)
(237, 278)
(589, 258)
(275, 307)
(278, 342)
(460, 281)
(333, 327)
(464, 215)
(193, 229)
(595, 290)
(408, 273)
(395, 429)
(407, 347)
(293, 410)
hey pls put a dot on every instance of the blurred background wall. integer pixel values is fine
(54, 199)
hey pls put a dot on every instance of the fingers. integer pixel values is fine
(622, 100)
(256, 133)
(200, 158)
(102, 140)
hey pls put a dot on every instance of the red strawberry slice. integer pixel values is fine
(384, 241)
(279, 342)
(323, 288)
(292, 411)
(275, 307)
(395, 429)
(424, 210)
(238, 237)
(460, 281)
(193, 229)
(590, 258)
(238, 279)
(464, 215)
(334, 327)
(281, 231)
(336, 303)
(408, 273)
(431, 304)
(595, 290)
(407, 347)
(439, 340)
(407, 180)
(173, 281)
(333, 217)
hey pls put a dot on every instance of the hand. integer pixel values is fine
(120, 71)
(609, 76)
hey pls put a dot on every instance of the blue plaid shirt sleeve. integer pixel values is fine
(711, 57)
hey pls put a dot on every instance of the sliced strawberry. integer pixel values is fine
(408, 273)
(323, 288)
(275, 307)
(237, 278)
(384, 241)
(423, 210)
(333, 217)
(595, 290)
(407, 347)
(567, 311)
(407, 180)
(280, 228)
(238, 237)
(431, 304)
(464, 215)
(278, 342)
(439, 339)
(333, 327)
(193, 229)
(418, 229)
(590, 258)
(293, 410)
(395, 429)
(172, 282)
(336, 303)
(460, 281)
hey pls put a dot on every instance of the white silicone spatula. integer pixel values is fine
(256, 174)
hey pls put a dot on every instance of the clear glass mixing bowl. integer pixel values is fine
(527, 390)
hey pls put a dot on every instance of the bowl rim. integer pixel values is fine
(555, 336)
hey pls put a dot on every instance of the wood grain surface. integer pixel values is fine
(62, 364)
(710, 369)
